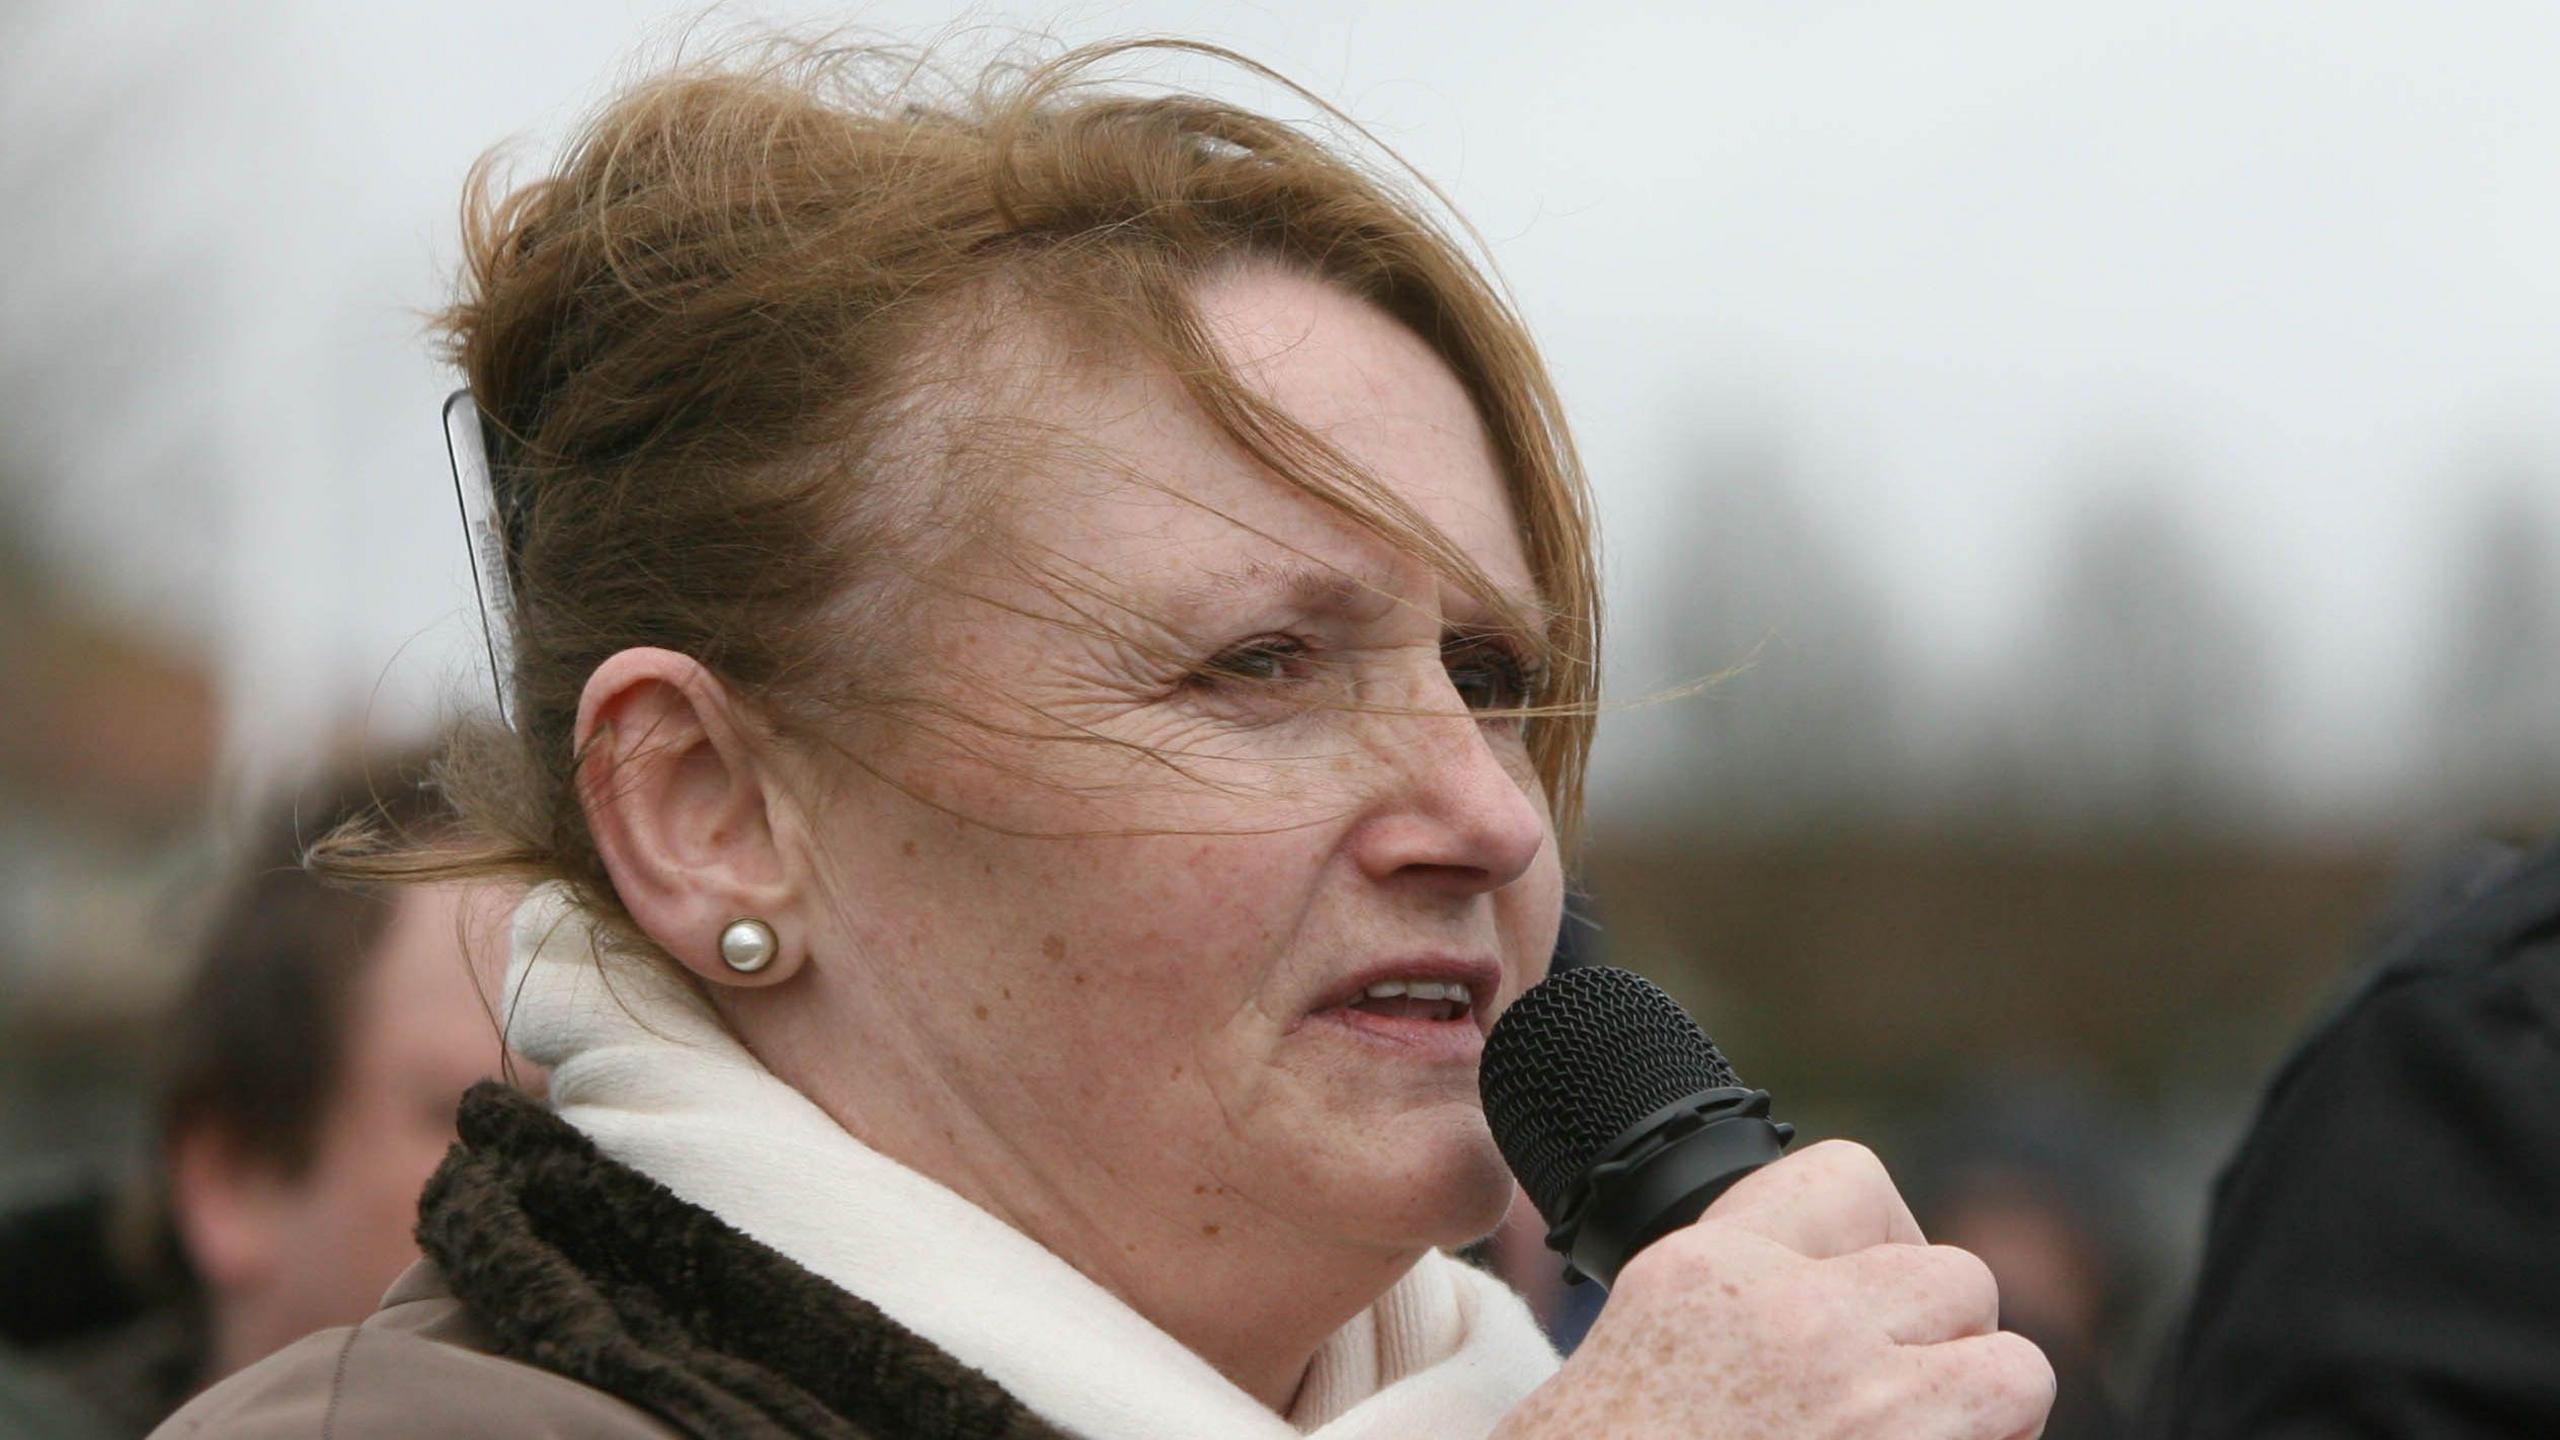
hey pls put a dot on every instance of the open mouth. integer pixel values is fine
(1427, 1000)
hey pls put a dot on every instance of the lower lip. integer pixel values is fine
(1456, 1041)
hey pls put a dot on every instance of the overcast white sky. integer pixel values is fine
(1949, 251)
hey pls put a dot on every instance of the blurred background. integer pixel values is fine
(2107, 452)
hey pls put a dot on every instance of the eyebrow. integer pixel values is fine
(1314, 588)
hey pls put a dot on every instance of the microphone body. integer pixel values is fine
(1620, 1117)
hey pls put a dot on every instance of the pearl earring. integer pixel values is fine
(747, 945)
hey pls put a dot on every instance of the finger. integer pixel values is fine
(1984, 1387)
(1825, 1200)
(1921, 1294)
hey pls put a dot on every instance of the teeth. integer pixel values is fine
(1423, 990)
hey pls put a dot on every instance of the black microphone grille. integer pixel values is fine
(1577, 1060)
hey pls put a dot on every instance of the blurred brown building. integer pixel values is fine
(105, 762)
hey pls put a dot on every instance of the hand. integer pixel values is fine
(1804, 1305)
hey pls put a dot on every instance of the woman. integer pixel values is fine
(1053, 654)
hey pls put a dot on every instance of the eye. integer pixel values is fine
(1261, 660)
(1488, 673)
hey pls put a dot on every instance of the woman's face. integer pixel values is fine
(1117, 938)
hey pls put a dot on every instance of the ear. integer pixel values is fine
(227, 1206)
(676, 783)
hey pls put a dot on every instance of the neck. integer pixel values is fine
(1256, 1301)
(1258, 1323)
(238, 1335)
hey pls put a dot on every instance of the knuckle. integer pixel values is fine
(1648, 1273)
(1874, 1401)
(1714, 1244)
(1965, 1276)
(2016, 1372)
(1848, 1160)
(1842, 1152)
(1677, 1260)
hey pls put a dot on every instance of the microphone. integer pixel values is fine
(1621, 1118)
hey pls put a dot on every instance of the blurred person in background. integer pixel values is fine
(2383, 1251)
(310, 1070)
(2023, 1170)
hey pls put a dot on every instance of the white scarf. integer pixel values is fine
(642, 1066)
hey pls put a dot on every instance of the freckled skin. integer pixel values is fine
(1162, 1113)
(1804, 1306)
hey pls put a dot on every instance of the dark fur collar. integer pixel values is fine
(597, 1272)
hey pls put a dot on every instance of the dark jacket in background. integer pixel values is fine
(92, 1342)
(2383, 1257)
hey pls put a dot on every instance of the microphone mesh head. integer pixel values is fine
(1577, 1060)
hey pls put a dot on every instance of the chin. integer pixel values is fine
(1455, 1183)
(1477, 1208)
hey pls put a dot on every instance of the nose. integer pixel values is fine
(1459, 815)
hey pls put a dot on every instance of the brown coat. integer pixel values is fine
(419, 1366)
(564, 1295)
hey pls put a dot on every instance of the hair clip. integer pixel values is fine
(466, 446)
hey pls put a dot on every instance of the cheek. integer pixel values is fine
(1124, 858)
(1160, 920)
(359, 1203)
(1174, 950)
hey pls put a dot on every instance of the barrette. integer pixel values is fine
(466, 446)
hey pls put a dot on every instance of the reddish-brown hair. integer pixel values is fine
(707, 345)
